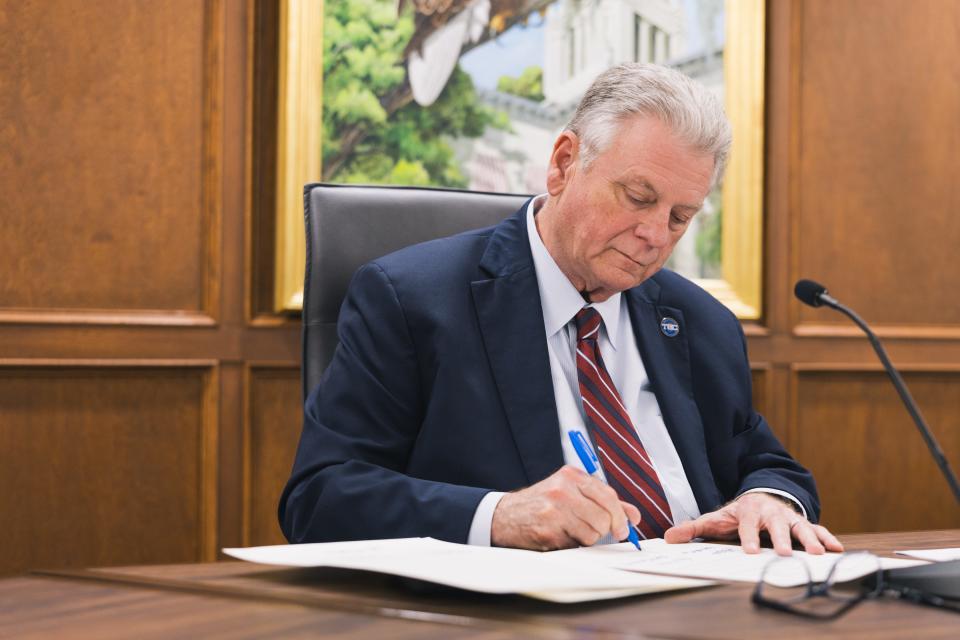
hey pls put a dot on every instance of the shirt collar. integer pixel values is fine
(559, 298)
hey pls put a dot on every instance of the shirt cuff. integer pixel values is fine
(776, 492)
(483, 519)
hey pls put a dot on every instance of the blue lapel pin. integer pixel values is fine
(669, 327)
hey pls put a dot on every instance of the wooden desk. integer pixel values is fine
(236, 600)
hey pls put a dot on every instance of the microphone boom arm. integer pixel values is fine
(901, 387)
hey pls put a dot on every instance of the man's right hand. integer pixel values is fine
(568, 509)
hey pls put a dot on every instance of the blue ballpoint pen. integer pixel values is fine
(592, 466)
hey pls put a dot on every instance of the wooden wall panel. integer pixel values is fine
(108, 119)
(760, 379)
(879, 143)
(872, 467)
(126, 220)
(861, 162)
(106, 465)
(274, 418)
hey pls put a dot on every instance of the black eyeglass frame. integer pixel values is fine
(823, 589)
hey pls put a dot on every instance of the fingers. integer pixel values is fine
(581, 532)
(760, 512)
(564, 510)
(748, 516)
(593, 517)
(633, 514)
(614, 519)
(827, 539)
(814, 538)
(585, 504)
(756, 512)
(749, 531)
(779, 528)
(683, 532)
(806, 534)
(716, 524)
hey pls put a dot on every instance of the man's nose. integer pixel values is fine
(654, 228)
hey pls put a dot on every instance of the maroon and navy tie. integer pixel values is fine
(625, 462)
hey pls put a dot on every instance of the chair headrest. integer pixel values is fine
(349, 225)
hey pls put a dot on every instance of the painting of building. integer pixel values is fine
(581, 38)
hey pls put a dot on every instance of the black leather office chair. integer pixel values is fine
(349, 225)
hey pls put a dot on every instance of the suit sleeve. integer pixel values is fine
(762, 461)
(360, 426)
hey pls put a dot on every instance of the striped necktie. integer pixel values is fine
(625, 462)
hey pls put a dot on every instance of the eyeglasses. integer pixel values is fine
(822, 600)
(779, 587)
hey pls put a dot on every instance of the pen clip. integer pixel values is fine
(584, 451)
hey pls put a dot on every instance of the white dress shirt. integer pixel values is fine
(561, 301)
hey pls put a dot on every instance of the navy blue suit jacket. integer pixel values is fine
(440, 391)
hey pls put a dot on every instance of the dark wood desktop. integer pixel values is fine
(236, 600)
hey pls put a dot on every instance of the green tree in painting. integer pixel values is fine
(528, 85)
(372, 131)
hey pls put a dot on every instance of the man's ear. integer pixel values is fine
(563, 162)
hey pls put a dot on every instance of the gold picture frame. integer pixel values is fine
(300, 124)
(741, 256)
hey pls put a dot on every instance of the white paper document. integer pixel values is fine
(727, 562)
(934, 555)
(546, 576)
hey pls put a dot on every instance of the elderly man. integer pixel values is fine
(467, 365)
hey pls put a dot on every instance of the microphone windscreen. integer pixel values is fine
(808, 292)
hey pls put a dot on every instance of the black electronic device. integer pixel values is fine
(936, 584)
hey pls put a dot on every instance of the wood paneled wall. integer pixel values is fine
(863, 130)
(148, 405)
(149, 399)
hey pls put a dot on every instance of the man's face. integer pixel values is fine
(613, 225)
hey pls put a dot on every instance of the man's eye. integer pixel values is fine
(679, 221)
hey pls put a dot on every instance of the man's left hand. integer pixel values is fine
(750, 514)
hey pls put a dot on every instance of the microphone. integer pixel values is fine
(812, 293)
(815, 294)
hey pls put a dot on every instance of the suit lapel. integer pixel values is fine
(511, 321)
(667, 361)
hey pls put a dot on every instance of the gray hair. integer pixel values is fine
(693, 113)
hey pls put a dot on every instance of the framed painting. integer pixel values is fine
(472, 93)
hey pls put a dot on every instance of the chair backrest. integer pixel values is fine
(349, 225)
